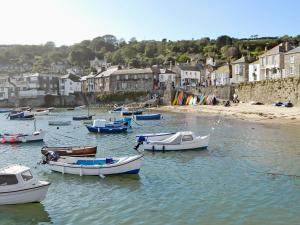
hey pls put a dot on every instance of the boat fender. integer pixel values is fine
(153, 148)
(163, 148)
(2, 140)
(80, 171)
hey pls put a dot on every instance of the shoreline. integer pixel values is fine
(241, 111)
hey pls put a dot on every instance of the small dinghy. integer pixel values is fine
(84, 117)
(77, 151)
(101, 126)
(184, 140)
(51, 109)
(79, 107)
(119, 110)
(95, 166)
(18, 186)
(153, 136)
(24, 115)
(130, 113)
(148, 117)
(41, 112)
(5, 110)
(59, 123)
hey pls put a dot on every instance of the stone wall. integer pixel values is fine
(269, 91)
(221, 92)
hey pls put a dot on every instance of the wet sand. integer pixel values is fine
(243, 111)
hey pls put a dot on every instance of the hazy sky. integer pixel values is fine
(71, 21)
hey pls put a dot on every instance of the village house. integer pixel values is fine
(131, 80)
(90, 82)
(102, 80)
(221, 76)
(84, 86)
(272, 62)
(240, 70)
(165, 77)
(254, 71)
(99, 64)
(292, 62)
(190, 76)
(69, 84)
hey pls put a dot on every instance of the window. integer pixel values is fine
(292, 70)
(135, 77)
(267, 60)
(292, 59)
(124, 85)
(126, 77)
(26, 175)
(187, 138)
(146, 76)
(273, 59)
(262, 61)
(8, 180)
(118, 77)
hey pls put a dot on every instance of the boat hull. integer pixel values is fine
(82, 117)
(154, 136)
(59, 123)
(22, 138)
(200, 143)
(81, 151)
(109, 129)
(34, 194)
(131, 165)
(148, 117)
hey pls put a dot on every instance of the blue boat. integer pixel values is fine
(101, 126)
(148, 117)
(126, 121)
(21, 115)
(130, 113)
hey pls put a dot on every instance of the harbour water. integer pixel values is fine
(250, 174)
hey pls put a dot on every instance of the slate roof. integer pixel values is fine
(132, 71)
(240, 60)
(293, 51)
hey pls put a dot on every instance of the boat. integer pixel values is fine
(119, 109)
(18, 186)
(126, 121)
(130, 113)
(153, 136)
(79, 107)
(22, 138)
(183, 140)
(59, 123)
(23, 115)
(78, 151)
(41, 112)
(84, 117)
(70, 109)
(148, 117)
(51, 109)
(101, 126)
(95, 166)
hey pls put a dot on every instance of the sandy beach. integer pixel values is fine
(243, 111)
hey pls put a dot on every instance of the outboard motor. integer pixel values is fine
(140, 142)
(51, 156)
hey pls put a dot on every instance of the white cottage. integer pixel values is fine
(254, 72)
(69, 84)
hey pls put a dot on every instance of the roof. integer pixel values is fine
(190, 67)
(107, 73)
(14, 169)
(295, 50)
(72, 77)
(165, 71)
(276, 50)
(132, 71)
(223, 69)
(255, 62)
(91, 75)
(240, 60)
(83, 78)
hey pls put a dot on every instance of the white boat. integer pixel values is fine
(97, 166)
(79, 107)
(41, 113)
(22, 138)
(59, 123)
(153, 136)
(184, 140)
(17, 186)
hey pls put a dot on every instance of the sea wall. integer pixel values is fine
(269, 91)
(221, 92)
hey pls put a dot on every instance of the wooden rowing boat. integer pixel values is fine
(76, 151)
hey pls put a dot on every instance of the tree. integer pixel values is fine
(222, 41)
(183, 58)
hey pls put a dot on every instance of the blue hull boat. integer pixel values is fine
(130, 113)
(21, 116)
(148, 117)
(109, 129)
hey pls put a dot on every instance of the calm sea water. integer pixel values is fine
(248, 175)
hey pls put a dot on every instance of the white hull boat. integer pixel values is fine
(153, 136)
(41, 113)
(59, 123)
(18, 186)
(22, 138)
(185, 140)
(79, 107)
(97, 166)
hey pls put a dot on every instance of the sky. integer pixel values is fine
(66, 22)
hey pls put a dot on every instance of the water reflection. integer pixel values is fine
(31, 213)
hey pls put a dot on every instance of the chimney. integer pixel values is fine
(266, 48)
(286, 46)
